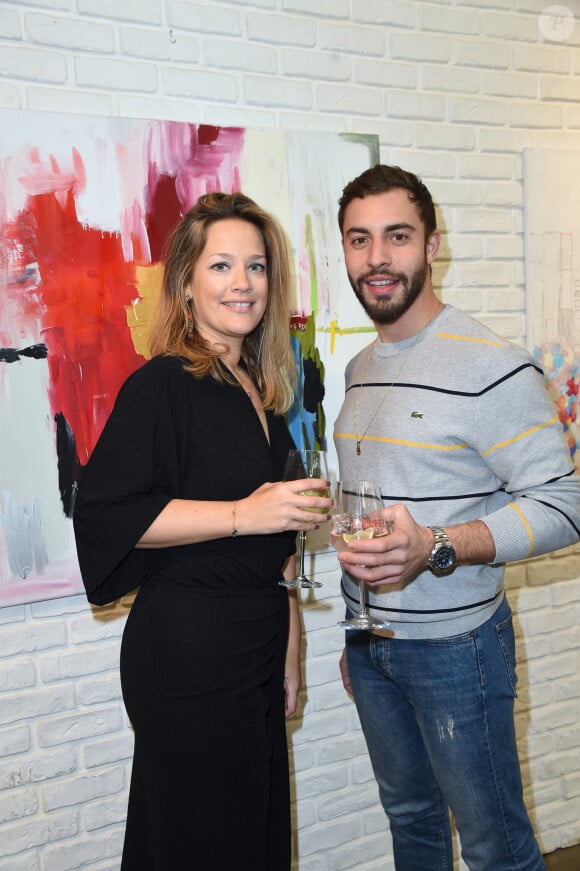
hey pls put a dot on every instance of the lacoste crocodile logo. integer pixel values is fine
(417, 414)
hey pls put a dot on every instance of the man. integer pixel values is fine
(457, 428)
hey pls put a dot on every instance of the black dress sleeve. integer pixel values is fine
(131, 475)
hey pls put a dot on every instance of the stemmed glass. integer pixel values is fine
(358, 515)
(305, 464)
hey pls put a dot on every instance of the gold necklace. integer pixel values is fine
(359, 438)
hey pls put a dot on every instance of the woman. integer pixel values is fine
(180, 497)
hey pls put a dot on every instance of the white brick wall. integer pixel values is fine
(455, 92)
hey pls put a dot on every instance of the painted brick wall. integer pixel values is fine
(455, 90)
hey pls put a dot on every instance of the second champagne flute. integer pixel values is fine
(305, 464)
(359, 516)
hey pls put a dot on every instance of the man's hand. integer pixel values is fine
(344, 672)
(390, 559)
(400, 556)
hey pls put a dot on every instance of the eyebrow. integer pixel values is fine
(390, 228)
(230, 254)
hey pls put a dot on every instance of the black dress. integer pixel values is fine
(202, 657)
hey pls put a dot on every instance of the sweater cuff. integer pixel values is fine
(513, 540)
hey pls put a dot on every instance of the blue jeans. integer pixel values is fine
(438, 720)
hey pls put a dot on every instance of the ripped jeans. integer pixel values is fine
(438, 720)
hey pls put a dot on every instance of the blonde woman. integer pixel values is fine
(183, 497)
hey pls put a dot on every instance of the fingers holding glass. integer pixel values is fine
(358, 516)
(303, 465)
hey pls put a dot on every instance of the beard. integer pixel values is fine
(385, 309)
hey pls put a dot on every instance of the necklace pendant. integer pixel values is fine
(358, 447)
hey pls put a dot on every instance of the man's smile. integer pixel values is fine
(378, 282)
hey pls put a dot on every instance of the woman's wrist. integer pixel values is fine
(239, 518)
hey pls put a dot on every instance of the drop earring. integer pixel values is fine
(189, 332)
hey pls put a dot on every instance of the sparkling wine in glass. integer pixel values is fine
(358, 515)
(299, 465)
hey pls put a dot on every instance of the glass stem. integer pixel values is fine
(302, 553)
(362, 593)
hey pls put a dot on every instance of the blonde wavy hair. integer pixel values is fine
(266, 352)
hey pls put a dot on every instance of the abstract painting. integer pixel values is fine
(86, 205)
(552, 188)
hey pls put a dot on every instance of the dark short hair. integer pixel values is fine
(381, 179)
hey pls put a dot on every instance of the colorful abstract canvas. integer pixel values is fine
(552, 187)
(86, 205)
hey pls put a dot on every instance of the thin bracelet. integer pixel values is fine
(234, 512)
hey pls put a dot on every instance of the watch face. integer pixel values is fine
(444, 558)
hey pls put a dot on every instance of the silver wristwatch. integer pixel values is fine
(442, 558)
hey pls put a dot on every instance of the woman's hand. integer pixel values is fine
(282, 507)
(291, 690)
(273, 507)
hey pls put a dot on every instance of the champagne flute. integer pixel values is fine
(358, 515)
(305, 464)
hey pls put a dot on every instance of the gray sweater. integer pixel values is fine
(467, 431)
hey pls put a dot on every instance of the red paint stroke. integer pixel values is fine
(77, 307)
(208, 134)
(208, 160)
(70, 284)
(163, 213)
(298, 322)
